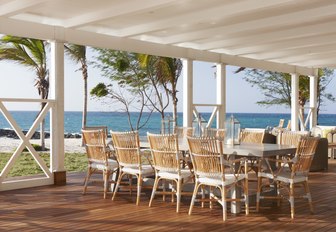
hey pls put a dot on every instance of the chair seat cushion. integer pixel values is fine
(146, 170)
(284, 176)
(217, 181)
(100, 165)
(185, 173)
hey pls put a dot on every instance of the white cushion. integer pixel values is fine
(185, 173)
(145, 170)
(214, 181)
(100, 165)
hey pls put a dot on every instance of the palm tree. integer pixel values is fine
(77, 53)
(30, 53)
(167, 71)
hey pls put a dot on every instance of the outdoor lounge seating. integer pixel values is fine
(289, 174)
(99, 157)
(167, 165)
(127, 148)
(213, 170)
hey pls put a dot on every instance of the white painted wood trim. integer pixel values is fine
(295, 101)
(221, 94)
(313, 100)
(57, 113)
(187, 92)
(57, 33)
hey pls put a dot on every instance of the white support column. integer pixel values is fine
(187, 92)
(295, 102)
(221, 94)
(57, 113)
(313, 99)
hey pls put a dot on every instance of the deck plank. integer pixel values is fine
(55, 208)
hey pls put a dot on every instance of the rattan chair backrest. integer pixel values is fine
(165, 151)
(252, 136)
(207, 157)
(304, 155)
(103, 128)
(291, 137)
(127, 147)
(183, 132)
(95, 145)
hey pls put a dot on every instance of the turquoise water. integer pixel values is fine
(118, 121)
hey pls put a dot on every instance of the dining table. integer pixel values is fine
(259, 151)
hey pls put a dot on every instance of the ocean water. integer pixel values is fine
(118, 121)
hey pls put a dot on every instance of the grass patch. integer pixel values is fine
(26, 165)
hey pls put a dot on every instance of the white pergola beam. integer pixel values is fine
(221, 94)
(295, 102)
(187, 92)
(231, 8)
(313, 99)
(250, 25)
(295, 32)
(299, 44)
(33, 30)
(122, 9)
(273, 54)
(18, 6)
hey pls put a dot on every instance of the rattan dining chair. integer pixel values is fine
(291, 137)
(212, 169)
(166, 161)
(252, 136)
(215, 133)
(100, 158)
(290, 173)
(127, 148)
(183, 132)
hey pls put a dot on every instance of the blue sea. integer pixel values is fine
(118, 121)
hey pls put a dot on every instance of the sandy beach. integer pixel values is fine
(70, 145)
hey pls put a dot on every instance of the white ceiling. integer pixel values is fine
(280, 35)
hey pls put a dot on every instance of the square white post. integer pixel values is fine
(313, 99)
(57, 113)
(295, 101)
(221, 94)
(187, 92)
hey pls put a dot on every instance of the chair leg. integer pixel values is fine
(193, 198)
(224, 203)
(258, 193)
(291, 199)
(156, 182)
(246, 195)
(117, 185)
(139, 189)
(88, 175)
(164, 190)
(210, 197)
(106, 175)
(178, 195)
(203, 196)
(308, 194)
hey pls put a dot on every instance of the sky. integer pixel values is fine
(18, 82)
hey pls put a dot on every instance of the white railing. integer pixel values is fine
(304, 122)
(24, 181)
(216, 108)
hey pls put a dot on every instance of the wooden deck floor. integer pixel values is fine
(64, 208)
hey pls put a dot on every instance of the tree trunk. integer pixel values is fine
(174, 105)
(85, 90)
